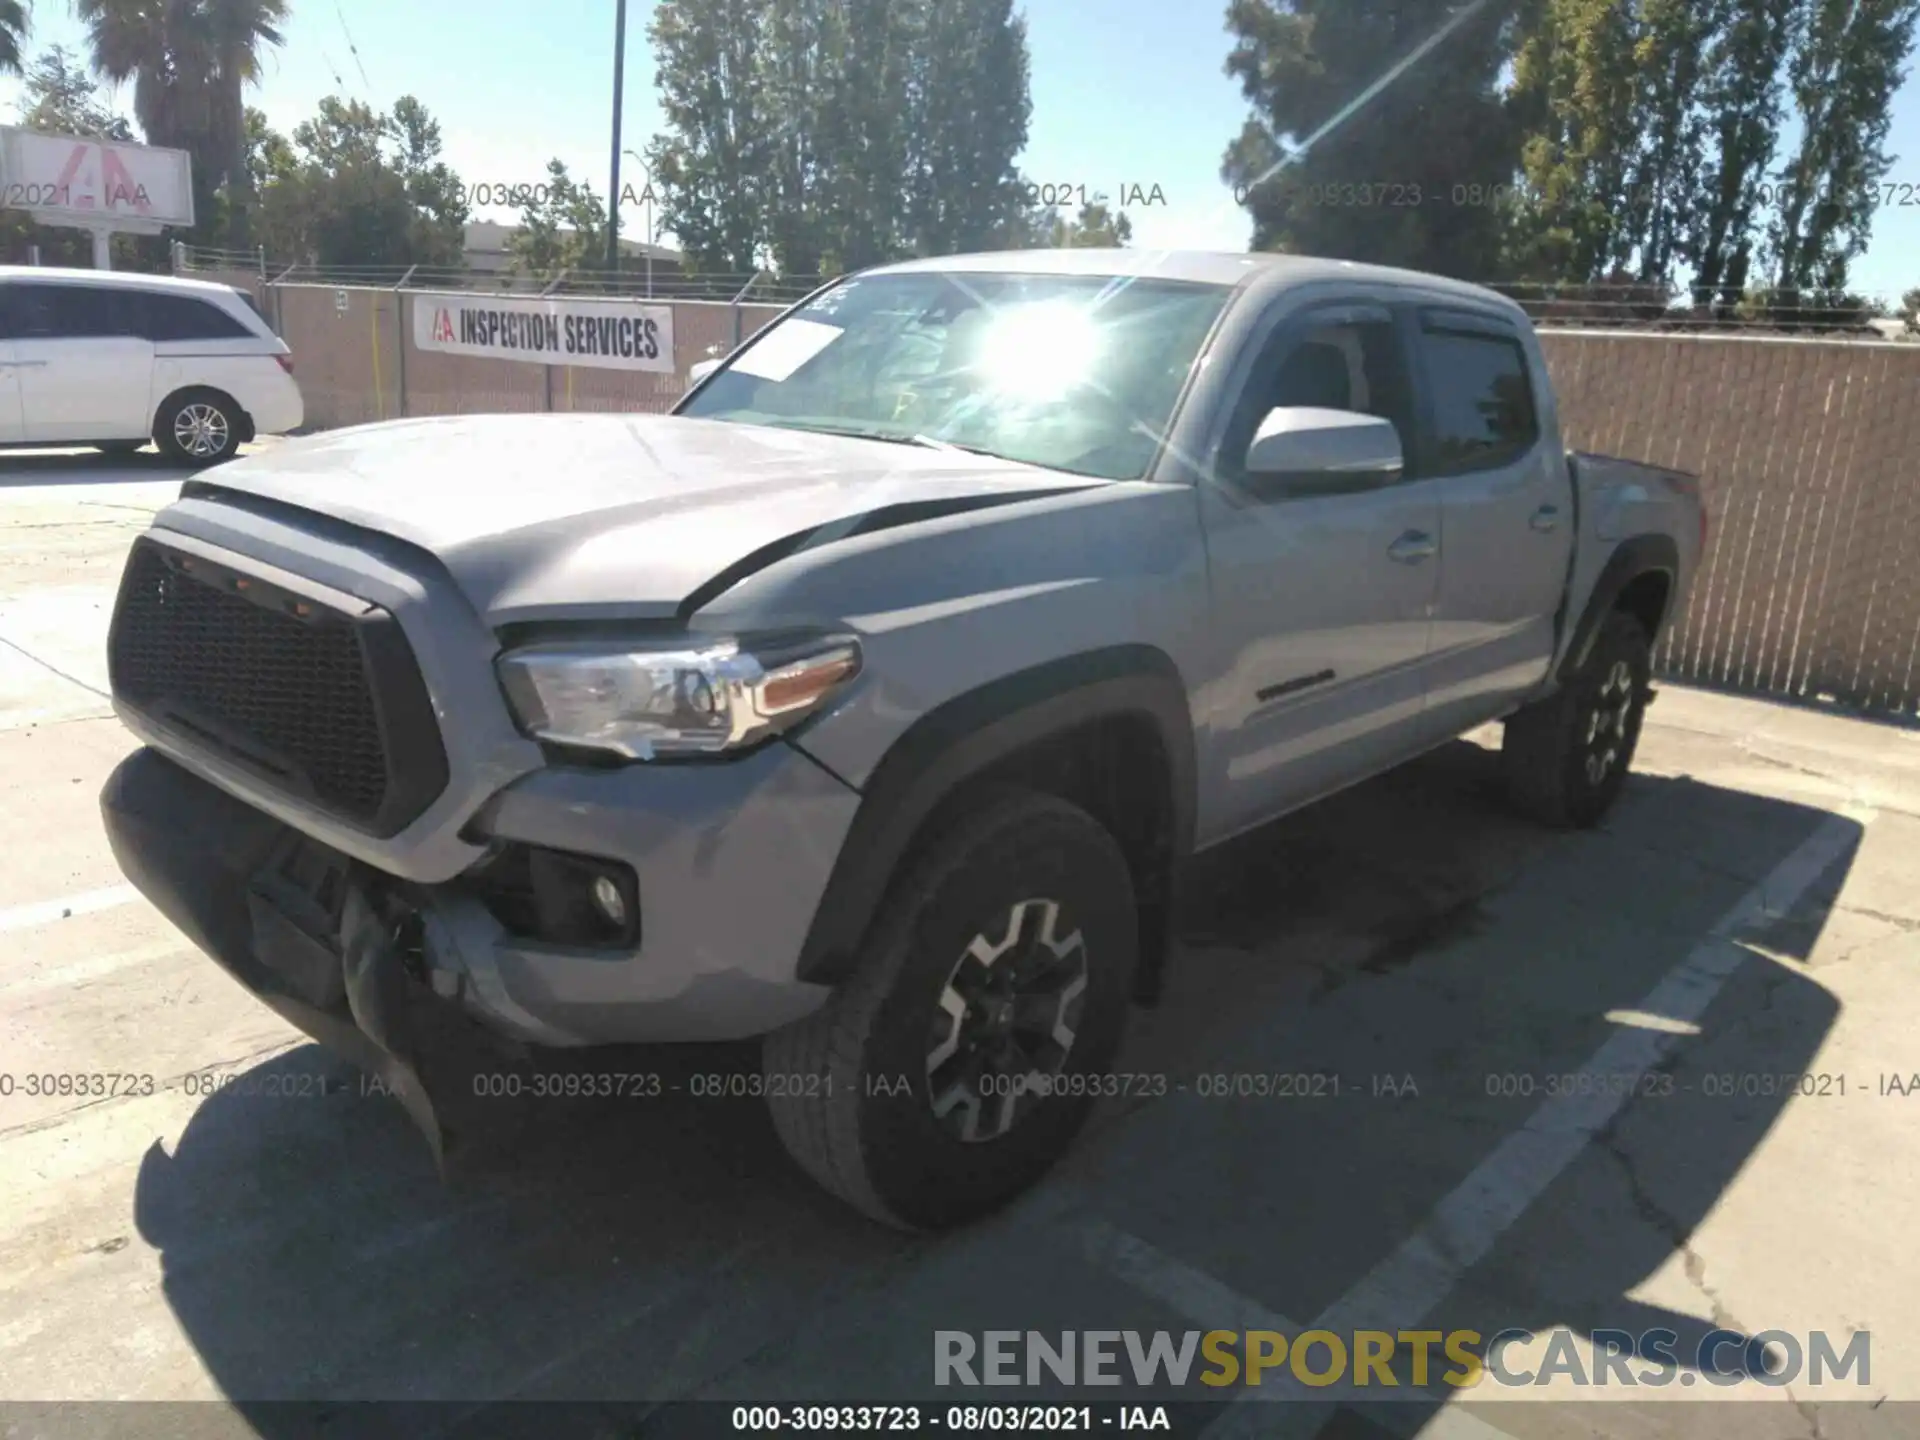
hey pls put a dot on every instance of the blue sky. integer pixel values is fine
(1123, 94)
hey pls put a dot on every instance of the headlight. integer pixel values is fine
(685, 698)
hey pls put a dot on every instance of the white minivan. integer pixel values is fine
(113, 360)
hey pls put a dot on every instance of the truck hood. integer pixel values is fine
(545, 516)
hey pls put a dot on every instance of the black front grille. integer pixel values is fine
(326, 704)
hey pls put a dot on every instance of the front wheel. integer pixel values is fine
(198, 428)
(1566, 757)
(940, 1080)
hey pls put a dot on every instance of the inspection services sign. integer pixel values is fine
(604, 334)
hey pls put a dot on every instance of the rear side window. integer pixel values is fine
(184, 317)
(66, 312)
(1483, 410)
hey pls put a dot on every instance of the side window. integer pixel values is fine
(182, 317)
(1483, 411)
(84, 312)
(26, 312)
(1349, 365)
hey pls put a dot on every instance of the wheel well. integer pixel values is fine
(1117, 769)
(1645, 598)
(246, 420)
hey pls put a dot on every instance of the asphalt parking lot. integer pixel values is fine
(1465, 991)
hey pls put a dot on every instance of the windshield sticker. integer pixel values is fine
(786, 348)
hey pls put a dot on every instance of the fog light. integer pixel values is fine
(609, 900)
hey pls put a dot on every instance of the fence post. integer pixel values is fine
(273, 288)
(547, 370)
(734, 305)
(400, 332)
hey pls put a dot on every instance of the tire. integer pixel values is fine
(1566, 757)
(198, 427)
(853, 1087)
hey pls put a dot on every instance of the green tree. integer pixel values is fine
(1910, 311)
(13, 35)
(356, 187)
(1441, 123)
(1094, 228)
(1848, 59)
(712, 167)
(562, 230)
(862, 131)
(63, 99)
(794, 73)
(823, 135)
(1606, 96)
(1574, 93)
(439, 226)
(968, 112)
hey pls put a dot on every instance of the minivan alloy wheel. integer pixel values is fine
(1007, 1021)
(200, 429)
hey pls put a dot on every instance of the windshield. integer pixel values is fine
(1076, 373)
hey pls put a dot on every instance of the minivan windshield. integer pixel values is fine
(1072, 372)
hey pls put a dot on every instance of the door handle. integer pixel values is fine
(1545, 518)
(1413, 547)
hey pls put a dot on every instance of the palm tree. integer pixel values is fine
(13, 31)
(238, 29)
(190, 62)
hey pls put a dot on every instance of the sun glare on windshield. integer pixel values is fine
(1041, 351)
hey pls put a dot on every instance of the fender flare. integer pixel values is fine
(963, 738)
(1632, 558)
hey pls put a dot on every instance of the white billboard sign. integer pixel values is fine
(95, 184)
(602, 334)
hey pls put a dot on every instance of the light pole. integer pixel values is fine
(613, 185)
(647, 245)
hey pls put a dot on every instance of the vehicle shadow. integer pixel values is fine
(660, 1245)
(85, 467)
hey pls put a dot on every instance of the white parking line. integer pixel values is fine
(1411, 1281)
(45, 912)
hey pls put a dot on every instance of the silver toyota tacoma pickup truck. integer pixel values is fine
(872, 701)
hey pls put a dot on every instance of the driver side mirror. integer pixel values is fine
(1304, 451)
(701, 369)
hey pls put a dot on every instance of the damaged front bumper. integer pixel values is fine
(335, 947)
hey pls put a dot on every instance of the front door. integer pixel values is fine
(85, 371)
(12, 427)
(1321, 601)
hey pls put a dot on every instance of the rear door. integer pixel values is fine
(86, 371)
(1321, 600)
(197, 342)
(1507, 522)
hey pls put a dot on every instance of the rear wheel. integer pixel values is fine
(1566, 758)
(940, 1080)
(199, 427)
